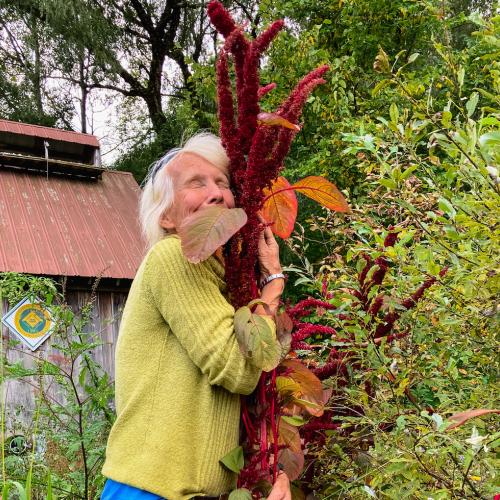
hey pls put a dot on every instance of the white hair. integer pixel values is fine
(158, 192)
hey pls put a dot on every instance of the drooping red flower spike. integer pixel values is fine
(256, 148)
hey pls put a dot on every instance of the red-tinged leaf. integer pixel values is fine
(257, 339)
(203, 232)
(284, 323)
(274, 119)
(462, 417)
(284, 327)
(280, 207)
(293, 463)
(311, 390)
(289, 436)
(327, 394)
(323, 191)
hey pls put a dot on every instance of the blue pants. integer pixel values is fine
(119, 491)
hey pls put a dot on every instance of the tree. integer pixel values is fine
(26, 64)
(140, 49)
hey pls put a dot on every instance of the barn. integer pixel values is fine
(65, 217)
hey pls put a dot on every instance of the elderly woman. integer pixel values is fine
(179, 370)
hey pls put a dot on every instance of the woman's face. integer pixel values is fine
(197, 184)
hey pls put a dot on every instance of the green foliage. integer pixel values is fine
(72, 423)
(256, 338)
(234, 460)
(430, 161)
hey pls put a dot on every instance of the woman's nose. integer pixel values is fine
(215, 195)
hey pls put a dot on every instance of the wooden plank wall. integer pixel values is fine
(20, 394)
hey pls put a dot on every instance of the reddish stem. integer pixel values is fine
(292, 188)
(273, 425)
(263, 425)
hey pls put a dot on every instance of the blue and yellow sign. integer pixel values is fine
(30, 322)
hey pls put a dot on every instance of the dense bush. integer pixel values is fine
(430, 162)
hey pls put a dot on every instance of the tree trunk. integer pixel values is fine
(84, 94)
(36, 77)
(155, 110)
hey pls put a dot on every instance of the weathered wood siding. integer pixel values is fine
(20, 394)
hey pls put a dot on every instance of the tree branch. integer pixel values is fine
(145, 19)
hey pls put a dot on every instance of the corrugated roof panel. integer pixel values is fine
(68, 227)
(48, 133)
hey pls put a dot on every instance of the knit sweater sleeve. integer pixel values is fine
(189, 298)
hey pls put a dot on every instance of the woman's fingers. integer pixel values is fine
(268, 234)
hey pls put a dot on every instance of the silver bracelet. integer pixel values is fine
(270, 278)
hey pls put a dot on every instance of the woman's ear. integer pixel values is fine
(166, 221)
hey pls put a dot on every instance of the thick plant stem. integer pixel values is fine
(274, 427)
(263, 424)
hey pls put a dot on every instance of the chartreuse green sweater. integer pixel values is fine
(179, 374)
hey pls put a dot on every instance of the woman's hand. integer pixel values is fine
(269, 261)
(281, 488)
(269, 254)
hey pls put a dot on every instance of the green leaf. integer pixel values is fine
(257, 339)
(304, 279)
(203, 232)
(295, 420)
(308, 404)
(286, 386)
(20, 490)
(388, 183)
(50, 495)
(460, 76)
(5, 491)
(234, 460)
(447, 207)
(490, 140)
(240, 494)
(380, 86)
(446, 119)
(472, 103)
(488, 95)
(394, 113)
(241, 319)
(401, 422)
(413, 57)
(407, 172)
(28, 483)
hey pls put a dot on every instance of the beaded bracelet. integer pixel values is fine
(270, 278)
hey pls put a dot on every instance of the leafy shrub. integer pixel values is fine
(431, 174)
(67, 435)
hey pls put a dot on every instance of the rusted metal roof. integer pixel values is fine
(48, 133)
(70, 227)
